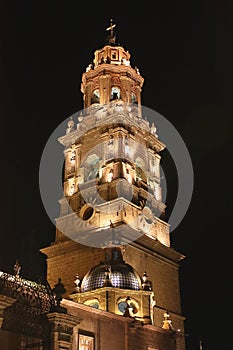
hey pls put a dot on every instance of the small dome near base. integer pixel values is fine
(118, 273)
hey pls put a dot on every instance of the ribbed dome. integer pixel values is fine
(117, 274)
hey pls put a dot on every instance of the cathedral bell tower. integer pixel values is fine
(111, 229)
(112, 156)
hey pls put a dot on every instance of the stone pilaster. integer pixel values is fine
(61, 330)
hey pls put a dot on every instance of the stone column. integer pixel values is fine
(61, 330)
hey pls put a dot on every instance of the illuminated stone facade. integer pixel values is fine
(113, 205)
(98, 160)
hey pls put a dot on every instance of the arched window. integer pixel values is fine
(140, 169)
(91, 167)
(96, 96)
(133, 98)
(115, 93)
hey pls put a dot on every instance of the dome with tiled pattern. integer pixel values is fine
(115, 273)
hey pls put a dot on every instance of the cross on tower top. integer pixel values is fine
(111, 27)
(112, 38)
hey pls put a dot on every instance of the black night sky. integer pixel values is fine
(184, 50)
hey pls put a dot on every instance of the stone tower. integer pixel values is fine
(111, 235)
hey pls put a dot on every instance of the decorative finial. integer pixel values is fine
(80, 117)
(17, 269)
(146, 284)
(107, 281)
(111, 39)
(77, 282)
(70, 125)
(115, 239)
(153, 129)
(58, 291)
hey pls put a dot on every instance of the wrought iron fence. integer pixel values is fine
(38, 296)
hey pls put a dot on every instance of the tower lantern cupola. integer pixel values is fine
(110, 76)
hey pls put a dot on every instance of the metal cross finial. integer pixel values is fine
(111, 27)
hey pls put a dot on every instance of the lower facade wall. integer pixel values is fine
(101, 330)
(118, 332)
(17, 341)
